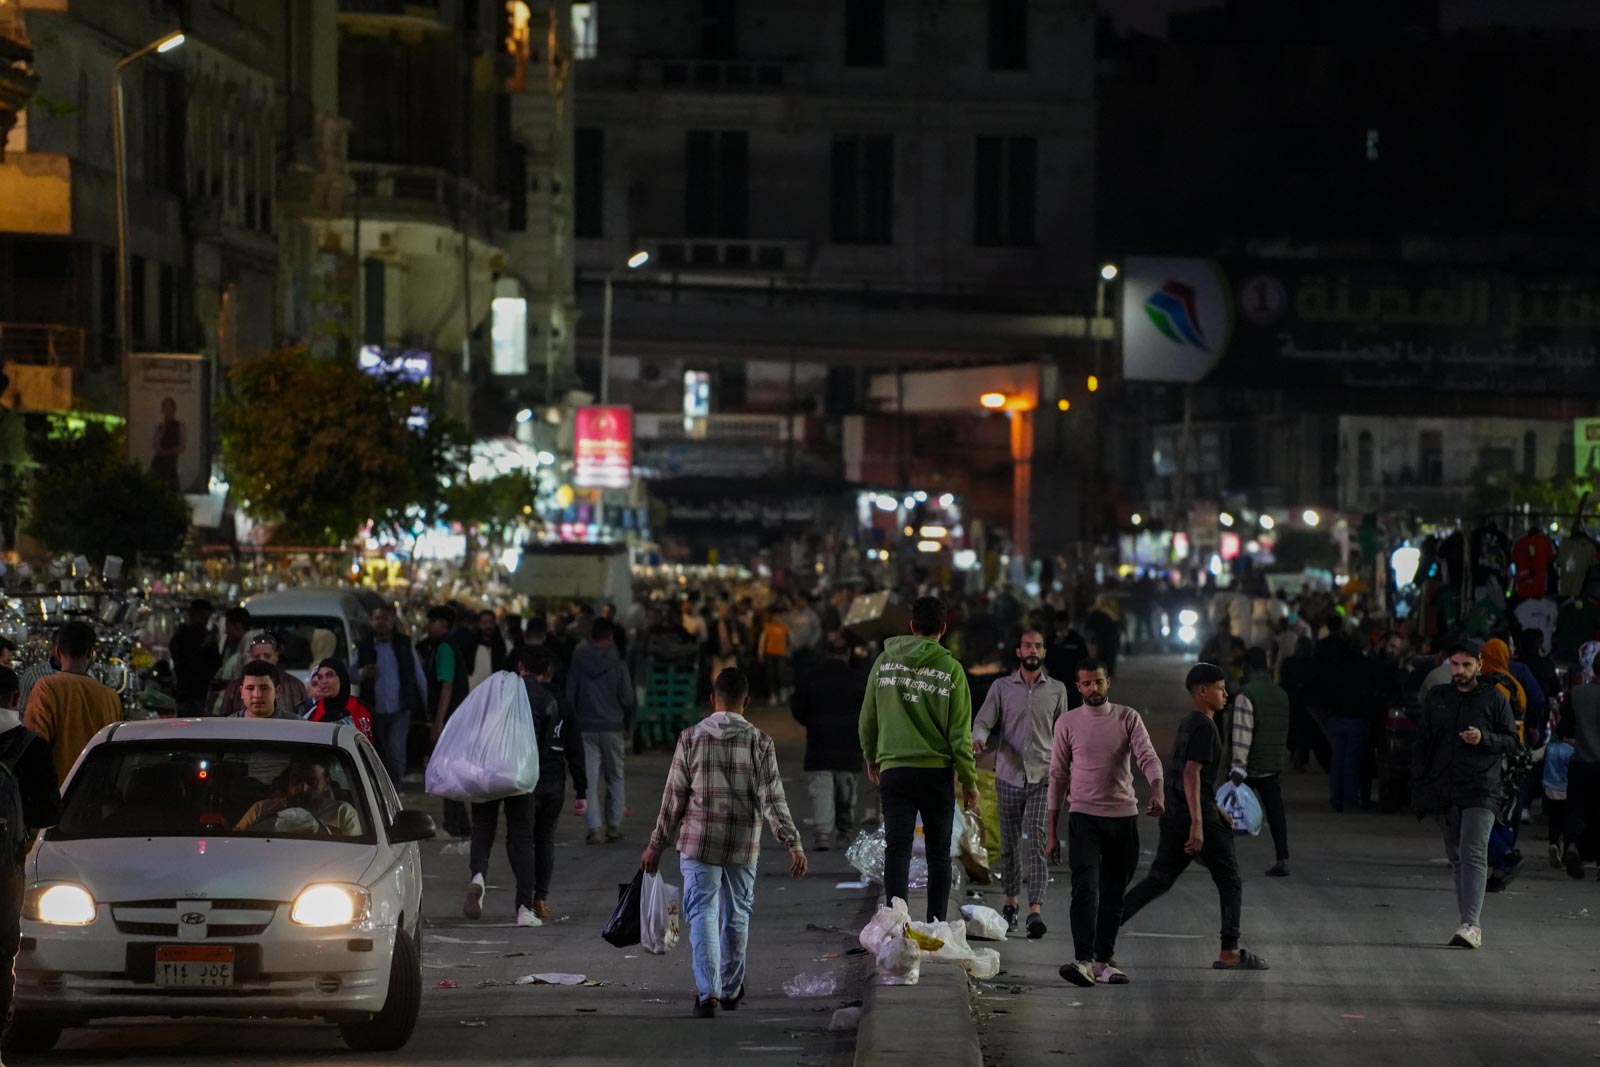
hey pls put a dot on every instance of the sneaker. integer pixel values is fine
(1036, 926)
(613, 834)
(732, 1003)
(822, 844)
(1078, 973)
(526, 917)
(594, 838)
(705, 1009)
(543, 909)
(472, 907)
(1555, 856)
(1279, 869)
(1574, 861)
(1467, 936)
(1010, 913)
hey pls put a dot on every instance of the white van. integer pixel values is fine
(295, 615)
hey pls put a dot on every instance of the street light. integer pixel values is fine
(635, 261)
(993, 401)
(1109, 272)
(161, 46)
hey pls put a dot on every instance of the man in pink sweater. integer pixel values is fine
(1091, 760)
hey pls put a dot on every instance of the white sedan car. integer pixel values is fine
(226, 867)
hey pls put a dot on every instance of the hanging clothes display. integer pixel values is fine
(1491, 562)
(1531, 557)
(1574, 560)
(1540, 614)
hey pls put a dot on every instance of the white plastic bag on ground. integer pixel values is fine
(489, 749)
(984, 964)
(1242, 805)
(983, 923)
(660, 915)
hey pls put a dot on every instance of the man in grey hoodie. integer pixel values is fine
(601, 696)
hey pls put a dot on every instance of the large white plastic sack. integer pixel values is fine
(887, 925)
(489, 749)
(660, 915)
(983, 923)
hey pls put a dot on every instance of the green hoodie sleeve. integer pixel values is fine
(959, 729)
(868, 728)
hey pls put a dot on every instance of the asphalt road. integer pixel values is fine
(1356, 939)
(641, 1016)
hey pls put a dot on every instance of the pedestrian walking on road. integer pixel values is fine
(1193, 827)
(724, 780)
(601, 695)
(1023, 708)
(827, 702)
(1583, 774)
(916, 733)
(69, 707)
(441, 666)
(1260, 742)
(1465, 730)
(1091, 761)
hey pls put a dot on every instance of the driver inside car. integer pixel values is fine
(308, 805)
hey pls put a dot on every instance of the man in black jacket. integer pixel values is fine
(827, 702)
(395, 688)
(1466, 729)
(28, 755)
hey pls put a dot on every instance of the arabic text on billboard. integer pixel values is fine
(603, 447)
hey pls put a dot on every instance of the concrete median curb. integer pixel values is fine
(914, 1026)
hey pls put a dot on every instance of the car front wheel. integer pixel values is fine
(391, 1028)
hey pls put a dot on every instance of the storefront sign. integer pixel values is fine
(1314, 325)
(167, 419)
(1586, 447)
(603, 447)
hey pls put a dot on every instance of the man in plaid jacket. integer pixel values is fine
(724, 778)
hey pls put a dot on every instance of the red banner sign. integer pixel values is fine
(603, 447)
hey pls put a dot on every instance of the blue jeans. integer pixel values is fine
(717, 900)
(1347, 777)
(391, 732)
(602, 760)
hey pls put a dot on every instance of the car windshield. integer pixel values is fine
(300, 644)
(216, 789)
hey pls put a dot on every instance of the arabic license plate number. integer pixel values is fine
(194, 968)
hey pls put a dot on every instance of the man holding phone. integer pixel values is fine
(1465, 731)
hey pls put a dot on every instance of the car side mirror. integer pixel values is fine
(411, 825)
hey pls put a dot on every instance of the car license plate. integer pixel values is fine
(194, 968)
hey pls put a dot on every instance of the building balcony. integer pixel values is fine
(722, 75)
(727, 254)
(721, 429)
(426, 194)
(42, 344)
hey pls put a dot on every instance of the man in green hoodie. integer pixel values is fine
(916, 728)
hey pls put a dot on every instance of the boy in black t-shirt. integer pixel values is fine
(1193, 827)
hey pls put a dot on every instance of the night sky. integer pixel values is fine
(1149, 16)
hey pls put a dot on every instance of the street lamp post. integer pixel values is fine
(635, 261)
(160, 45)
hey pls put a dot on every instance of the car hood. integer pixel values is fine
(186, 868)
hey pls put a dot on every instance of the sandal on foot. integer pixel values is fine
(1248, 961)
(1111, 975)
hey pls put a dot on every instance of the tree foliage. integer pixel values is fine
(320, 447)
(86, 498)
(492, 505)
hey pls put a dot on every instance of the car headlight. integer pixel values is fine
(330, 905)
(1187, 634)
(1188, 617)
(62, 904)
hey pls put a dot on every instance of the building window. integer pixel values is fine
(136, 303)
(717, 201)
(1530, 454)
(1364, 459)
(719, 29)
(1004, 185)
(373, 325)
(1008, 34)
(863, 190)
(589, 178)
(586, 29)
(167, 308)
(1430, 465)
(864, 33)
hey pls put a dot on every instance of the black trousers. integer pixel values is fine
(908, 792)
(1216, 855)
(11, 888)
(1103, 852)
(1270, 790)
(1583, 802)
(530, 840)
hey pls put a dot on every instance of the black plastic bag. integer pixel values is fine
(623, 929)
